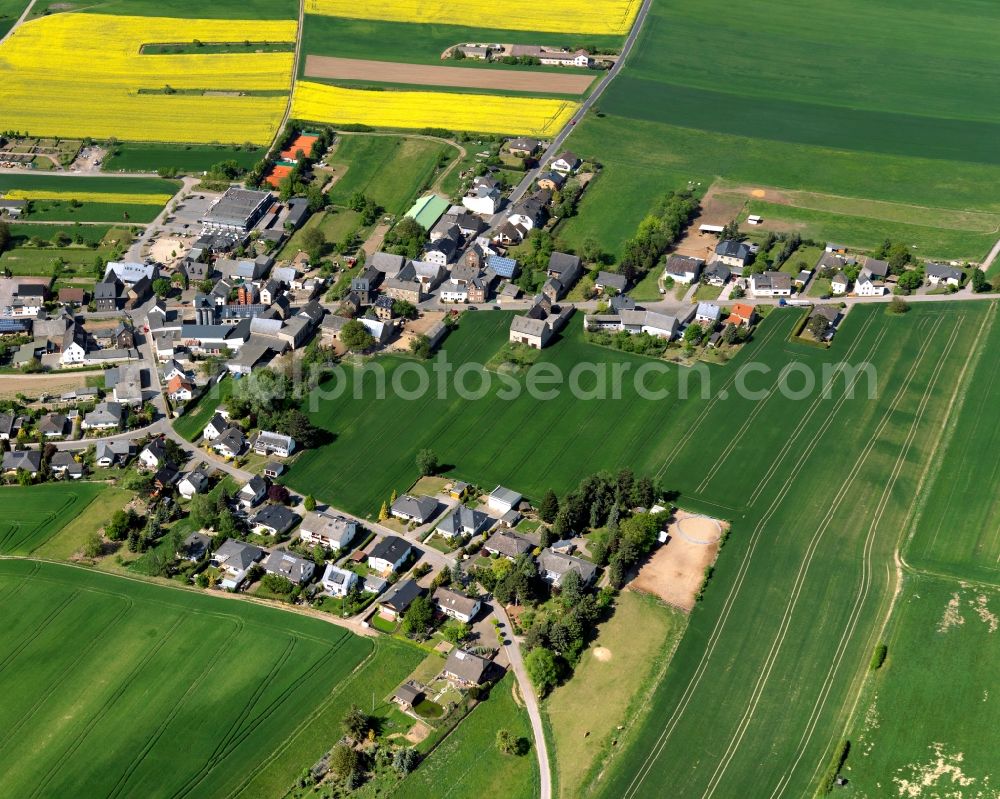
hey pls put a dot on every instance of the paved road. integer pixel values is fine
(153, 228)
(513, 648)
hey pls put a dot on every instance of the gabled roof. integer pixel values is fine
(731, 248)
(401, 595)
(507, 543)
(276, 517)
(390, 548)
(467, 666)
(420, 507)
(453, 600)
(238, 555)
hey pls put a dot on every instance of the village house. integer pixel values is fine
(507, 544)
(554, 566)
(337, 581)
(611, 283)
(458, 606)
(734, 254)
(153, 455)
(231, 443)
(233, 559)
(465, 668)
(683, 269)
(523, 147)
(195, 547)
(274, 520)
(399, 598)
(28, 460)
(327, 530)
(195, 482)
(268, 443)
(109, 453)
(942, 274)
(414, 509)
(742, 314)
(839, 283)
(180, 389)
(483, 196)
(707, 313)
(52, 425)
(716, 274)
(293, 568)
(252, 492)
(389, 554)
(771, 284)
(566, 162)
(463, 520)
(503, 499)
(63, 464)
(215, 428)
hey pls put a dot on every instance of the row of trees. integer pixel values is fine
(661, 228)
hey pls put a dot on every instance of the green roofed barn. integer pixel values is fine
(428, 210)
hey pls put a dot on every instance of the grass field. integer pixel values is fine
(35, 514)
(10, 10)
(942, 663)
(90, 242)
(804, 120)
(71, 538)
(782, 639)
(423, 42)
(143, 97)
(235, 697)
(76, 186)
(200, 412)
(391, 170)
(141, 157)
(335, 225)
(585, 713)
(468, 762)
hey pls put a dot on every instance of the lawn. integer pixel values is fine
(195, 682)
(930, 709)
(335, 225)
(584, 714)
(391, 170)
(70, 539)
(34, 515)
(200, 412)
(468, 762)
(142, 157)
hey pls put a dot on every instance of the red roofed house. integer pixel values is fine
(742, 314)
(180, 389)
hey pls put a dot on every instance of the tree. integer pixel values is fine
(94, 545)
(161, 287)
(383, 513)
(309, 503)
(121, 522)
(542, 669)
(910, 280)
(315, 198)
(343, 761)
(314, 243)
(418, 617)
(5, 236)
(979, 282)
(203, 511)
(571, 590)
(549, 508)
(355, 336)
(355, 723)
(506, 741)
(456, 631)
(897, 306)
(405, 760)
(407, 310)
(693, 334)
(420, 346)
(427, 462)
(278, 494)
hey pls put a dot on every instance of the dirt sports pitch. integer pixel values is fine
(331, 68)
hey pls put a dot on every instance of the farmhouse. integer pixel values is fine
(463, 521)
(554, 566)
(465, 667)
(329, 531)
(414, 509)
(683, 269)
(635, 321)
(611, 283)
(337, 581)
(427, 211)
(293, 568)
(389, 554)
(274, 520)
(458, 606)
(399, 598)
(732, 253)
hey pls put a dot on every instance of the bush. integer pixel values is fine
(878, 657)
(836, 764)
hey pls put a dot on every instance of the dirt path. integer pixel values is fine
(520, 80)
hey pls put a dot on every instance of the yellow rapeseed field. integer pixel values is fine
(558, 16)
(486, 113)
(118, 198)
(77, 75)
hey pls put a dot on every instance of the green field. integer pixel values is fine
(33, 515)
(391, 170)
(585, 713)
(87, 183)
(200, 412)
(63, 211)
(335, 225)
(942, 662)
(908, 133)
(10, 10)
(190, 9)
(468, 763)
(72, 537)
(957, 527)
(96, 241)
(140, 157)
(420, 43)
(202, 697)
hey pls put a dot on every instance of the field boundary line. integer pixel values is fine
(800, 577)
(867, 570)
(702, 667)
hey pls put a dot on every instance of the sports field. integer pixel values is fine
(83, 75)
(563, 16)
(391, 170)
(927, 725)
(202, 696)
(802, 118)
(819, 490)
(32, 515)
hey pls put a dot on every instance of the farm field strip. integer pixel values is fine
(85, 196)
(567, 16)
(92, 81)
(333, 68)
(317, 102)
(41, 512)
(737, 585)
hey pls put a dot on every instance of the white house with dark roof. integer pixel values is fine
(465, 667)
(771, 284)
(683, 269)
(414, 509)
(554, 566)
(734, 254)
(942, 274)
(707, 313)
(274, 520)
(458, 606)
(463, 520)
(233, 559)
(839, 283)
(293, 568)
(389, 554)
(268, 443)
(327, 530)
